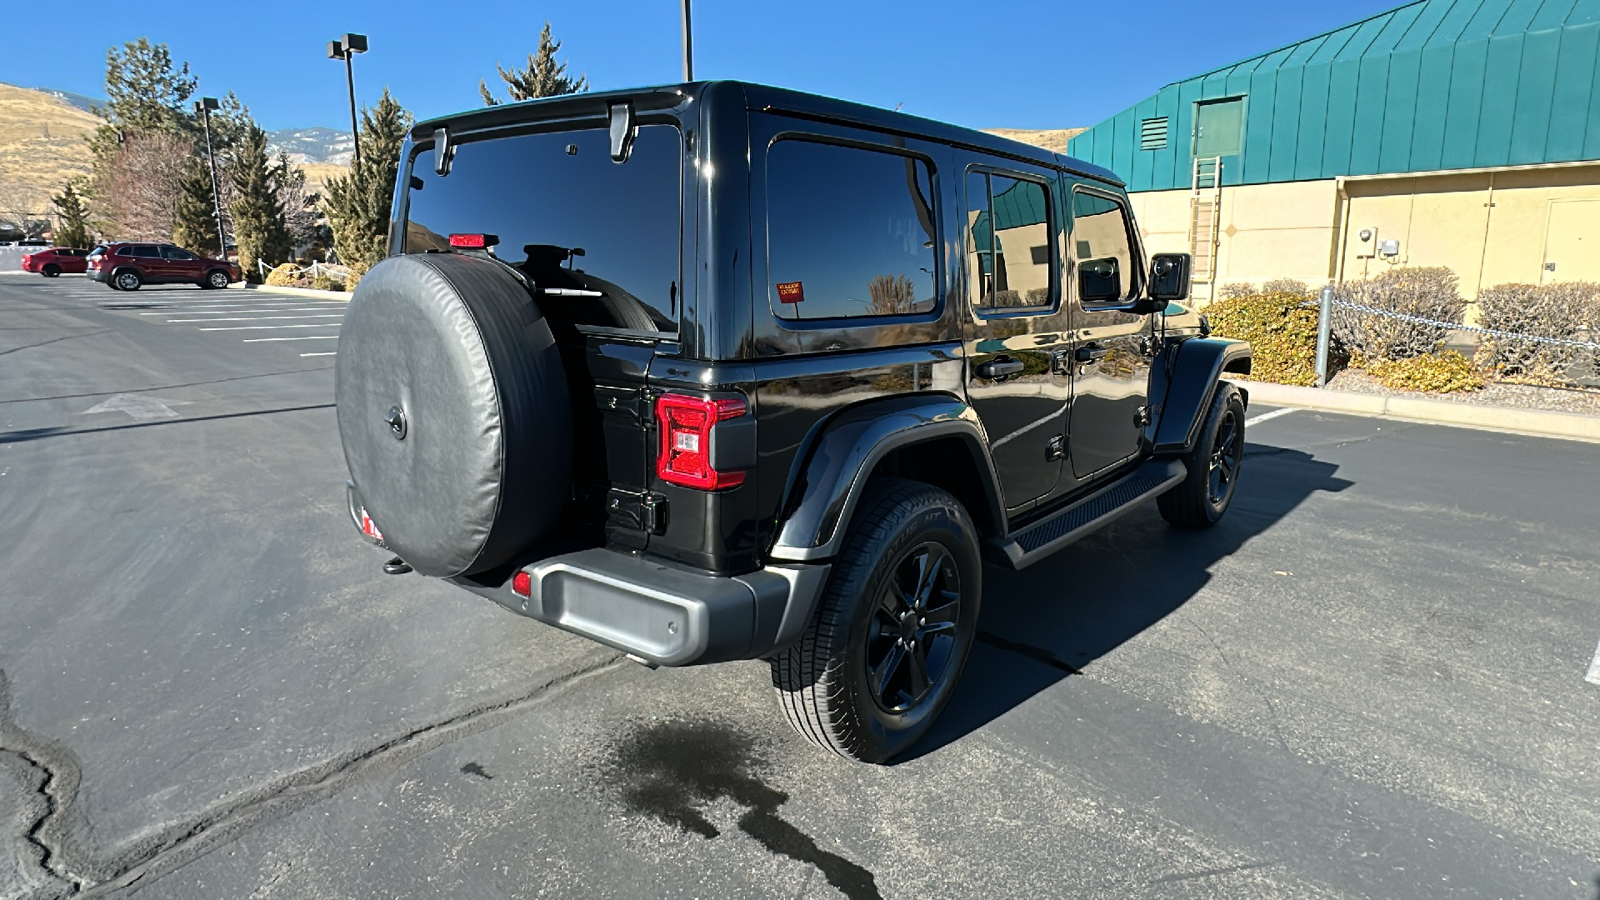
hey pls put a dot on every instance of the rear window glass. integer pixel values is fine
(576, 223)
(849, 232)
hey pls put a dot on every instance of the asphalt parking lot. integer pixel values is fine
(1369, 681)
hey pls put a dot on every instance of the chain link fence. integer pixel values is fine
(1339, 318)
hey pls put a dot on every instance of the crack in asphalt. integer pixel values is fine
(58, 789)
(164, 387)
(226, 822)
(1212, 873)
(153, 856)
(55, 341)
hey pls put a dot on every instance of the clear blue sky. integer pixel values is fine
(980, 63)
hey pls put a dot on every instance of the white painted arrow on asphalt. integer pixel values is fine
(138, 406)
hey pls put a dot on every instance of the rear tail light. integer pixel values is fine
(683, 456)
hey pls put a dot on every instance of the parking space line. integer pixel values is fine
(1593, 676)
(270, 327)
(322, 353)
(307, 337)
(1269, 415)
(257, 319)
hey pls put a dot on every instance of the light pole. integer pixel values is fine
(346, 48)
(204, 108)
(688, 45)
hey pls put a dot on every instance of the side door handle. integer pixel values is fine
(1000, 367)
(1090, 352)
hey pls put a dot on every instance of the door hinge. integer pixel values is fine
(1056, 447)
(646, 512)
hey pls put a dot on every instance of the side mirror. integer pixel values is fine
(1169, 277)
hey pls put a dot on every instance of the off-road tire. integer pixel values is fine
(822, 680)
(1197, 502)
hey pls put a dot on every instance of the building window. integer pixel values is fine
(1153, 134)
(850, 232)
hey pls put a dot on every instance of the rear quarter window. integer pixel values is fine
(568, 217)
(850, 232)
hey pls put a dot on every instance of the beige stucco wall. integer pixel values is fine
(1293, 230)
(1447, 220)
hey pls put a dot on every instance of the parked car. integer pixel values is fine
(721, 371)
(128, 266)
(33, 242)
(56, 260)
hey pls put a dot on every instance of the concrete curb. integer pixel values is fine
(1436, 412)
(298, 292)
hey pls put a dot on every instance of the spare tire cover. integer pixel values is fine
(453, 411)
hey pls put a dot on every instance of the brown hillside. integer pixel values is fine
(41, 146)
(1055, 139)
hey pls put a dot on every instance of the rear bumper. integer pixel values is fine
(662, 614)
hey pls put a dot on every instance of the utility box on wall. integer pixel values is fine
(1366, 240)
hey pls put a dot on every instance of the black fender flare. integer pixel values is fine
(1191, 379)
(833, 472)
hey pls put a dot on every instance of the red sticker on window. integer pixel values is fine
(791, 292)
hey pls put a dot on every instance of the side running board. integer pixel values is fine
(1046, 536)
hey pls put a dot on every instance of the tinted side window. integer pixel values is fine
(1008, 243)
(176, 253)
(144, 251)
(124, 251)
(849, 232)
(1106, 269)
(605, 233)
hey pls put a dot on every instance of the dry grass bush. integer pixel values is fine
(1236, 289)
(288, 275)
(1282, 332)
(1287, 286)
(1568, 311)
(1425, 292)
(1441, 373)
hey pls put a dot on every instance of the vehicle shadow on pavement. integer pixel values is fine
(1052, 620)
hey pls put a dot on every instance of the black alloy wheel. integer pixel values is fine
(1200, 500)
(893, 628)
(51, 270)
(912, 633)
(1227, 449)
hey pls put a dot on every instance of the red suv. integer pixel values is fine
(127, 267)
(55, 260)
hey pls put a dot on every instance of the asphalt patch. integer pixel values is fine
(670, 771)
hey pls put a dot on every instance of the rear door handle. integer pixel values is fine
(1090, 353)
(1000, 367)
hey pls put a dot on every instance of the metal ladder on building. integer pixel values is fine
(1205, 216)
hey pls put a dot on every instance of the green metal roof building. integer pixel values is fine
(1433, 85)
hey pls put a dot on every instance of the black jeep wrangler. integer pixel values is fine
(720, 371)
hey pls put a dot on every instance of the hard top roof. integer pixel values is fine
(766, 97)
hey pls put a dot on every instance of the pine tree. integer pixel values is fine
(258, 221)
(146, 94)
(542, 77)
(358, 204)
(74, 218)
(139, 154)
(195, 227)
